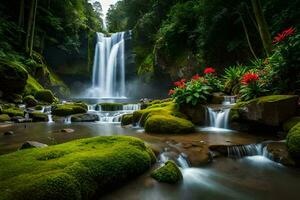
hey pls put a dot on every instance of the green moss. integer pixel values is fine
(69, 109)
(169, 173)
(109, 106)
(30, 101)
(45, 96)
(13, 111)
(4, 118)
(291, 123)
(38, 107)
(168, 124)
(147, 65)
(32, 86)
(127, 119)
(74, 170)
(293, 141)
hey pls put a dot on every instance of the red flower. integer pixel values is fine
(249, 78)
(209, 70)
(177, 83)
(196, 77)
(171, 92)
(180, 84)
(284, 34)
(182, 80)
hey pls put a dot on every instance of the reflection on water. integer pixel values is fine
(248, 178)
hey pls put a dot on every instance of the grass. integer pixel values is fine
(75, 170)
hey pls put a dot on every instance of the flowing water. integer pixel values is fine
(109, 67)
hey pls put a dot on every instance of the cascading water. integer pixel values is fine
(109, 67)
(218, 118)
(239, 151)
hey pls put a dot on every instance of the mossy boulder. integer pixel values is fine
(81, 169)
(30, 101)
(291, 123)
(13, 111)
(127, 119)
(4, 118)
(45, 96)
(196, 114)
(109, 106)
(13, 77)
(32, 86)
(168, 124)
(38, 117)
(293, 141)
(169, 173)
(84, 118)
(69, 109)
(268, 110)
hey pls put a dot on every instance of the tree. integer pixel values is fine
(262, 26)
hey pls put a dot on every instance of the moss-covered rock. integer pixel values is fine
(45, 96)
(13, 111)
(38, 117)
(293, 141)
(69, 109)
(268, 110)
(291, 123)
(32, 86)
(13, 77)
(84, 118)
(30, 101)
(169, 173)
(109, 106)
(74, 170)
(4, 117)
(168, 124)
(127, 119)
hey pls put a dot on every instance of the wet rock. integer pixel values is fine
(268, 110)
(38, 117)
(67, 130)
(221, 149)
(279, 153)
(30, 101)
(8, 133)
(217, 98)
(84, 118)
(32, 144)
(197, 114)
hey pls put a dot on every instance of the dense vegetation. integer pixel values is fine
(181, 37)
(35, 34)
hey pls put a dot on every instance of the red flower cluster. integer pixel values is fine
(209, 70)
(249, 78)
(196, 77)
(171, 92)
(180, 84)
(286, 33)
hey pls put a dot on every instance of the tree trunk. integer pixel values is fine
(33, 28)
(29, 26)
(21, 19)
(262, 26)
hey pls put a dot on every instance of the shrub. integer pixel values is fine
(232, 79)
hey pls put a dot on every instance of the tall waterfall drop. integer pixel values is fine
(109, 67)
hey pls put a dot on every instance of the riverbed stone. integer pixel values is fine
(7, 133)
(32, 144)
(67, 130)
(268, 110)
(84, 118)
(169, 173)
(278, 151)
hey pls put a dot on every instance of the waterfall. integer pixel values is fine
(218, 118)
(109, 67)
(239, 151)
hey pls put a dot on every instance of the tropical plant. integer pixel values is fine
(212, 79)
(232, 78)
(251, 86)
(193, 92)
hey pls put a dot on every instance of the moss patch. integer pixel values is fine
(32, 86)
(38, 117)
(74, 170)
(30, 101)
(69, 109)
(293, 141)
(291, 123)
(4, 118)
(127, 119)
(13, 111)
(169, 173)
